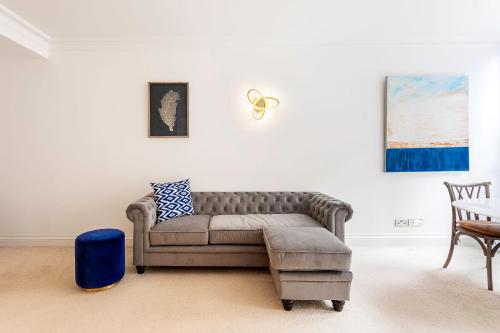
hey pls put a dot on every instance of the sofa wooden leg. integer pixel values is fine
(288, 304)
(338, 305)
(140, 269)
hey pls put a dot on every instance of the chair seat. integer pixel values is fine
(482, 227)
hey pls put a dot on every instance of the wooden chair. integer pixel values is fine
(483, 231)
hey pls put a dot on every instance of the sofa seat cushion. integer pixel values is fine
(185, 230)
(306, 249)
(247, 229)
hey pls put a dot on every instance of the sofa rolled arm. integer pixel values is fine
(330, 212)
(143, 213)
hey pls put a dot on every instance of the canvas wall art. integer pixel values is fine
(427, 126)
(168, 109)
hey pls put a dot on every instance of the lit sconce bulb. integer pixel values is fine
(261, 103)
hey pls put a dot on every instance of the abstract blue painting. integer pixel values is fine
(427, 126)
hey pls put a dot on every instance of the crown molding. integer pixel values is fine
(20, 31)
(105, 44)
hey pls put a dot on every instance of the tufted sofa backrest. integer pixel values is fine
(227, 203)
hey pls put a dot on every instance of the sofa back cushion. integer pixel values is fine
(226, 203)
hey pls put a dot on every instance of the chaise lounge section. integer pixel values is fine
(309, 264)
(234, 228)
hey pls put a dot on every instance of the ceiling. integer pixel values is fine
(277, 21)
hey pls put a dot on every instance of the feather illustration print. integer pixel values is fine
(168, 109)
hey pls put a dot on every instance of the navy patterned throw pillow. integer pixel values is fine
(172, 200)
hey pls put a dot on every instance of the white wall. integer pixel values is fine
(75, 150)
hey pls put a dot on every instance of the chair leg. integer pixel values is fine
(495, 249)
(488, 264)
(452, 247)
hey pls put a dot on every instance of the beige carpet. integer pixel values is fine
(395, 289)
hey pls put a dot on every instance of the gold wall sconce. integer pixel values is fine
(261, 103)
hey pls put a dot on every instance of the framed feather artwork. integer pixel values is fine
(168, 109)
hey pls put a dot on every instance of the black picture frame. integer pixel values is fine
(168, 113)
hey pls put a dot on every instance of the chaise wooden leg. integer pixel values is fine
(338, 305)
(288, 304)
(454, 239)
(488, 264)
(140, 269)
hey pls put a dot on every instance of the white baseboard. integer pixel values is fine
(38, 240)
(382, 239)
(352, 239)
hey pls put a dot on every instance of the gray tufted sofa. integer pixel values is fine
(228, 230)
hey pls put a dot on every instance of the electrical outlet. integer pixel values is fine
(415, 222)
(405, 223)
(401, 223)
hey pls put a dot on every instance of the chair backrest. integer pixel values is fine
(467, 191)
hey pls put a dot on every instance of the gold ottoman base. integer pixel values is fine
(101, 288)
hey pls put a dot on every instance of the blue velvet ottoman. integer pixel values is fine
(99, 259)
